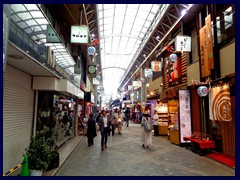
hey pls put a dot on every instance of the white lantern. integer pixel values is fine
(91, 51)
(98, 77)
(143, 80)
(202, 91)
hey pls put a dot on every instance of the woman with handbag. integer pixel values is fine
(146, 134)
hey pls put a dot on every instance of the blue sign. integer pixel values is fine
(91, 50)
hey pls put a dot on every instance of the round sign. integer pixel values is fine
(91, 50)
(91, 69)
(202, 91)
(41, 49)
(173, 57)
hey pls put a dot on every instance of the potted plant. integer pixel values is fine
(38, 155)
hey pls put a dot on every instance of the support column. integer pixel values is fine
(143, 87)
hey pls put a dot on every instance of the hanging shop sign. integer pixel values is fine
(220, 103)
(51, 35)
(202, 91)
(51, 57)
(135, 83)
(169, 93)
(95, 81)
(146, 72)
(183, 44)
(205, 71)
(156, 66)
(79, 34)
(91, 51)
(91, 69)
(208, 25)
(185, 114)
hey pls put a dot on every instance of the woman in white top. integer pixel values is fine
(104, 127)
(146, 135)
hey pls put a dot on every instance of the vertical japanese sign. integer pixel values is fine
(204, 52)
(185, 115)
(209, 41)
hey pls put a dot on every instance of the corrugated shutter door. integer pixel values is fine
(17, 116)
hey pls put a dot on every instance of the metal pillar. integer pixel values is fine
(143, 87)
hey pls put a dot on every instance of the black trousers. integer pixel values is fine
(104, 136)
(113, 129)
(155, 130)
(90, 140)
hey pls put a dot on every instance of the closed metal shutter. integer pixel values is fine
(18, 106)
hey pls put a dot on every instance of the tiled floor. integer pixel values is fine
(125, 157)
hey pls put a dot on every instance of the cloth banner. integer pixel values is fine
(220, 104)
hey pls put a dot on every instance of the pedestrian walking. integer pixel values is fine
(104, 128)
(127, 114)
(155, 124)
(146, 137)
(119, 120)
(111, 117)
(91, 130)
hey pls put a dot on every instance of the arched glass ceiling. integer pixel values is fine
(30, 18)
(122, 28)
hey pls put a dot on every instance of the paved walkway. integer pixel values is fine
(125, 157)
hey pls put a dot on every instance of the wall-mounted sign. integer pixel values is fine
(95, 81)
(185, 114)
(156, 66)
(135, 83)
(183, 43)
(91, 69)
(51, 35)
(91, 51)
(79, 34)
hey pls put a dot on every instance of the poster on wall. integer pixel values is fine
(220, 104)
(185, 114)
(173, 69)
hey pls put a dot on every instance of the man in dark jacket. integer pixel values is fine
(91, 130)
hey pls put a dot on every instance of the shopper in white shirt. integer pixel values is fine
(155, 124)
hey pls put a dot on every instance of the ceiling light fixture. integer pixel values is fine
(183, 12)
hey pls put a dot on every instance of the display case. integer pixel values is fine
(163, 118)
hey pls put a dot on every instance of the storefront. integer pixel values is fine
(57, 106)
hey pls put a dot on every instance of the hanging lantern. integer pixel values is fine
(202, 91)
(91, 51)
(173, 57)
(150, 74)
(143, 80)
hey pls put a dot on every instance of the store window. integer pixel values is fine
(225, 22)
(55, 117)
